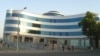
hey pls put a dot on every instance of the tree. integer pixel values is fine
(97, 34)
(88, 26)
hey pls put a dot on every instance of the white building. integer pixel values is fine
(50, 27)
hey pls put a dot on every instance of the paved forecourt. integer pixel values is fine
(51, 53)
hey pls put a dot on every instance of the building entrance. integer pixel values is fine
(53, 41)
(65, 42)
(28, 39)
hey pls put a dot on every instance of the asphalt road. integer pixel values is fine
(52, 53)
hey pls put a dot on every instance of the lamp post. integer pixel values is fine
(18, 31)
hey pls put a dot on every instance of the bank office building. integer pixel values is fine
(47, 28)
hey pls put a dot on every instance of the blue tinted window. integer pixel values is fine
(62, 20)
(11, 21)
(34, 31)
(43, 26)
(8, 14)
(48, 20)
(56, 33)
(47, 32)
(60, 26)
(11, 29)
(15, 15)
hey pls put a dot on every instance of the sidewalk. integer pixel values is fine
(34, 51)
(13, 50)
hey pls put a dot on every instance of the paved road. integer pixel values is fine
(52, 53)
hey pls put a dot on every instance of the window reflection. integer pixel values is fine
(44, 19)
(43, 26)
(11, 22)
(44, 32)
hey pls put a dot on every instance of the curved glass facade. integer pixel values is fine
(44, 19)
(43, 26)
(46, 32)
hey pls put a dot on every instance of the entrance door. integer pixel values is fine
(41, 40)
(28, 39)
(54, 42)
(65, 42)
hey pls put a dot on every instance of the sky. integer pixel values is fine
(67, 7)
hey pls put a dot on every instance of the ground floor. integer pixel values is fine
(33, 41)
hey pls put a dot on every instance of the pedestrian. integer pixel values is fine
(73, 48)
(45, 46)
(68, 47)
(63, 47)
(53, 46)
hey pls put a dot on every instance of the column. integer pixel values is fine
(68, 41)
(23, 39)
(33, 39)
(80, 42)
(11, 38)
(58, 43)
(8, 38)
(45, 40)
(36, 40)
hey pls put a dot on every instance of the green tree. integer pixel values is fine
(88, 26)
(97, 34)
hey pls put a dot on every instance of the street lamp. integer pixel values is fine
(18, 31)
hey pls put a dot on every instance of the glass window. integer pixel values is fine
(34, 31)
(44, 26)
(74, 33)
(44, 19)
(15, 15)
(45, 32)
(8, 14)
(11, 21)
(83, 43)
(47, 20)
(55, 33)
(87, 44)
(60, 26)
(74, 43)
(11, 29)
(37, 25)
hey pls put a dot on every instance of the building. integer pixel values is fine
(48, 28)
